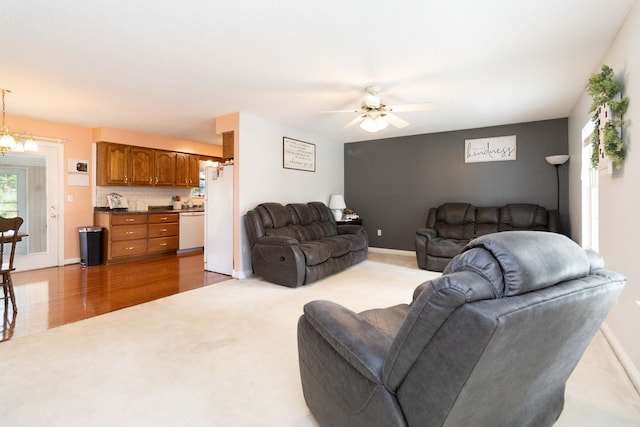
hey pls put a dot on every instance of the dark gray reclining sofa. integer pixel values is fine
(300, 243)
(451, 226)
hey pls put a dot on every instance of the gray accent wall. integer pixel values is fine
(392, 183)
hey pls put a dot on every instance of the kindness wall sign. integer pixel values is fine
(494, 149)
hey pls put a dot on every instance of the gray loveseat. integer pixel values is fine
(451, 226)
(300, 243)
(491, 342)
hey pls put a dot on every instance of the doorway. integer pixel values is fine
(31, 188)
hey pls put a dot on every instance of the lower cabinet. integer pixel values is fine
(137, 235)
(163, 232)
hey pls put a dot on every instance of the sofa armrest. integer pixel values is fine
(358, 342)
(553, 221)
(279, 259)
(429, 233)
(278, 241)
(349, 229)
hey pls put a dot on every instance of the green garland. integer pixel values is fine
(603, 90)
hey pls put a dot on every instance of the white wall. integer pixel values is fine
(619, 195)
(263, 179)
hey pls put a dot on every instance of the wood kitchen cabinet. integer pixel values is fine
(187, 170)
(112, 164)
(125, 236)
(163, 232)
(129, 237)
(165, 168)
(119, 164)
(142, 166)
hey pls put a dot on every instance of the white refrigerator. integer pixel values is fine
(218, 219)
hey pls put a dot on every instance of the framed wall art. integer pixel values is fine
(298, 155)
(495, 149)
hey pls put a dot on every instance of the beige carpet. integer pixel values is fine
(226, 355)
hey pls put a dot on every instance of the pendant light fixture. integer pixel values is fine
(9, 141)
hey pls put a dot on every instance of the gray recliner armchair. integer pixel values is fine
(491, 342)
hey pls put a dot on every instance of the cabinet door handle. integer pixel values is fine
(130, 248)
(130, 220)
(163, 218)
(163, 244)
(129, 232)
(164, 230)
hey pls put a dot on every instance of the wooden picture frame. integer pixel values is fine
(298, 155)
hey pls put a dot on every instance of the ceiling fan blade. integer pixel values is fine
(395, 120)
(410, 107)
(359, 110)
(354, 122)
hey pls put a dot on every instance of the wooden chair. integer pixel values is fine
(8, 240)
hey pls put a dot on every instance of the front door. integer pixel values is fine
(30, 189)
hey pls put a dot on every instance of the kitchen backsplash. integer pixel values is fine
(151, 196)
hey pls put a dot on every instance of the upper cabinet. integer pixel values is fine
(187, 170)
(119, 164)
(165, 168)
(112, 164)
(141, 169)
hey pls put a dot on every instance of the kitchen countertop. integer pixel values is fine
(152, 209)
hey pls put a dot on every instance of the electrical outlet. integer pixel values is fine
(379, 232)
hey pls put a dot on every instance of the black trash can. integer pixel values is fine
(90, 245)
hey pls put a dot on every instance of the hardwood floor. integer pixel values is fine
(54, 296)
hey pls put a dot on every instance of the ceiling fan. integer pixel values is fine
(374, 116)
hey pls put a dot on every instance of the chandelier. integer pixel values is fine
(13, 142)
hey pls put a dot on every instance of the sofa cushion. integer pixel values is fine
(309, 232)
(455, 231)
(455, 221)
(339, 246)
(279, 215)
(445, 248)
(487, 219)
(487, 215)
(303, 213)
(357, 242)
(456, 213)
(282, 232)
(518, 216)
(315, 252)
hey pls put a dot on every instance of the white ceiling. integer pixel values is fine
(169, 67)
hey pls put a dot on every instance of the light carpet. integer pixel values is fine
(226, 355)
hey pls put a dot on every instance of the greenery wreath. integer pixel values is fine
(605, 91)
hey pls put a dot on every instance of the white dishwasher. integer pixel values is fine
(191, 230)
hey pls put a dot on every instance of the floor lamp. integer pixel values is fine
(557, 161)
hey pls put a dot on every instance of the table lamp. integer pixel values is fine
(336, 203)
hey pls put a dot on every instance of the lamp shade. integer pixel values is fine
(337, 202)
(560, 159)
(337, 205)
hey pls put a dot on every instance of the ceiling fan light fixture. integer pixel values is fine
(373, 124)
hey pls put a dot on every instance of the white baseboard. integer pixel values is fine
(623, 357)
(71, 261)
(241, 274)
(392, 251)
